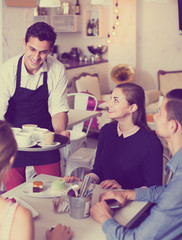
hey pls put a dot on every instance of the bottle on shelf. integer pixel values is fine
(97, 27)
(89, 28)
(93, 27)
(77, 8)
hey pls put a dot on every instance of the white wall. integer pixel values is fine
(1, 34)
(15, 22)
(148, 38)
(159, 45)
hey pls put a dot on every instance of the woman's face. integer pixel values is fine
(118, 105)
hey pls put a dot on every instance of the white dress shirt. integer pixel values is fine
(56, 81)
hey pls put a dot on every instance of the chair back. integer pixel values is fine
(87, 82)
(169, 80)
(79, 101)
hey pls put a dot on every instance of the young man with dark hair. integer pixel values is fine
(33, 91)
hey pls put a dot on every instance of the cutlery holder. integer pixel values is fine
(79, 207)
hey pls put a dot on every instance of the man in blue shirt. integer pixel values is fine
(165, 219)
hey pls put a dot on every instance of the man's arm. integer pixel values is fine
(150, 227)
(60, 122)
(101, 212)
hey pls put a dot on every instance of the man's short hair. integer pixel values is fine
(42, 31)
(174, 105)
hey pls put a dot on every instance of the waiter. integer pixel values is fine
(33, 91)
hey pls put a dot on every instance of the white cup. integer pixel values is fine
(23, 139)
(49, 138)
(38, 134)
(16, 130)
(29, 127)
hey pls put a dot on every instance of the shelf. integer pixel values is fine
(42, 18)
(99, 14)
(66, 23)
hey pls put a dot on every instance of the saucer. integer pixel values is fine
(43, 145)
(33, 143)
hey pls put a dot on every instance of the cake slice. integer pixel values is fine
(57, 186)
(37, 186)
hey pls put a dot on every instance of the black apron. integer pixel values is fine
(31, 106)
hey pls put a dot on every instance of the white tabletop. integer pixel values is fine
(84, 229)
(78, 116)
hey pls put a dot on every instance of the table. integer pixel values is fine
(84, 229)
(78, 116)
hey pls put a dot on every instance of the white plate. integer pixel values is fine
(26, 205)
(30, 145)
(46, 193)
(43, 145)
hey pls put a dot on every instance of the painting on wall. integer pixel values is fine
(21, 3)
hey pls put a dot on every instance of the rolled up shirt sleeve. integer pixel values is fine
(57, 83)
(7, 84)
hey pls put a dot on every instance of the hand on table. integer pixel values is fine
(59, 233)
(101, 212)
(119, 196)
(71, 179)
(110, 184)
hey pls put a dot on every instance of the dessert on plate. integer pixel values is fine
(58, 186)
(37, 186)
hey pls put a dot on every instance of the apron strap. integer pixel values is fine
(18, 73)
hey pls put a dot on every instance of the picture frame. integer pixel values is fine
(21, 3)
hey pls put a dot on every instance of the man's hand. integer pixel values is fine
(65, 133)
(59, 233)
(59, 123)
(101, 212)
(110, 184)
(121, 196)
(71, 179)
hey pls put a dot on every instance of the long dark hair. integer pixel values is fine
(136, 95)
(8, 145)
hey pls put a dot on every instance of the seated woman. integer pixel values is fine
(13, 216)
(129, 154)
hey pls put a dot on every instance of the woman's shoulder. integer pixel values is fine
(149, 136)
(23, 217)
(109, 127)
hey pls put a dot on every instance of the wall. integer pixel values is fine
(159, 45)
(15, 22)
(123, 47)
(147, 38)
(1, 34)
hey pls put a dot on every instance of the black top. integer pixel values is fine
(133, 162)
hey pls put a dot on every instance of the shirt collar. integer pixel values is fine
(127, 133)
(175, 161)
(42, 69)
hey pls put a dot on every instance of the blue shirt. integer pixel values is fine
(165, 220)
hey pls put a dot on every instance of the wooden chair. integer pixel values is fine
(167, 80)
